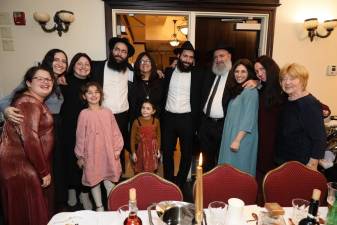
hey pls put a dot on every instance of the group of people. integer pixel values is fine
(67, 127)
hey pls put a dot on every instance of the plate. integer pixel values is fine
(83, 217)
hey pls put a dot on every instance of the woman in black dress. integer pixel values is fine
(78, 75)
(301, 132)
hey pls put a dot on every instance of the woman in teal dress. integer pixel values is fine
(240, 132)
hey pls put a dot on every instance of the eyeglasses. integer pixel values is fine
(145, 62)
(42, 79)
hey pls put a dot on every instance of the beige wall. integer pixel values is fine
(291, 44)
(87, 34)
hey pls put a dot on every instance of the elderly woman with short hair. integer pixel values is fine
(301, 136)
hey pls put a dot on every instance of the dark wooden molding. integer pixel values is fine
(238, 6)
(189, 5)
(108, 26)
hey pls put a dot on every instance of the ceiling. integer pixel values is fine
(154, 31)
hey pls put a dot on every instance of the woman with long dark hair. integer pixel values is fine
(146, 86)
(26, 153)
(77, 76)
(240, 132)
(271, 100)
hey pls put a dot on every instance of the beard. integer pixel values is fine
(183, 68)
(119, 66)
(222, 68)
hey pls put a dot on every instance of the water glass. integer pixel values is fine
(234, 215)
(300, 209)
(332, 189)
(217, 212)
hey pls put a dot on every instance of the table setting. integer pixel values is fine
(88, 217)
(232, 212)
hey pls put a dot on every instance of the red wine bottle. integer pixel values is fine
(132, 219)
(313, 209)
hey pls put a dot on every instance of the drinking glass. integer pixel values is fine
(332, 188)
(123, 212)
(300, 209)
(217, 212)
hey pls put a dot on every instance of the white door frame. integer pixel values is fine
(192, 15)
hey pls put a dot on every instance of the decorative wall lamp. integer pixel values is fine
(62, 21)
(312, 24)
(174, 41)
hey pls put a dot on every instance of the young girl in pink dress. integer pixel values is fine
(145, 140)
(98, 144)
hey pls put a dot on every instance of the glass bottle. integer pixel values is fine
(313, 209)
(132, 219)
(332, 215)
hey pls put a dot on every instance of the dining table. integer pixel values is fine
(88, 217)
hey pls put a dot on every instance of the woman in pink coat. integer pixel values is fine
(98, 144)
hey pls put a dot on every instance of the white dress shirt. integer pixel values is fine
(216, 108)
(178, 97)
(115, 88)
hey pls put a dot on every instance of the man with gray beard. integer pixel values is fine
(214, 101)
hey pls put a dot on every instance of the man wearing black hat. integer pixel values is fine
(214, 100)
(114, 74)
(182, 109)
(214, 105)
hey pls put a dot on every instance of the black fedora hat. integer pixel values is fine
(185, 46)
(114, 40)
(223, 46)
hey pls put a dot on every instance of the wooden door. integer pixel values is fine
(210, 31)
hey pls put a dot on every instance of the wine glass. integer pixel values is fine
(123, 212)
(332, 189)
(217, 212)
(300, 209)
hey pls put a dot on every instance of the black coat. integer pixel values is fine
(208, 81)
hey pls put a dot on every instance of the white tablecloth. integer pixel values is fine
(87, 217)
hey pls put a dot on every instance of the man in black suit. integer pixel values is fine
(114, 74)
(214, 100)
(182, 112)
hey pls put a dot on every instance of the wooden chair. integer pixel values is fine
(292, 180)
(150, 188)
(225, 182)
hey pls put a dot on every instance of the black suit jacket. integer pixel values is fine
(208, 81)
(195, 93)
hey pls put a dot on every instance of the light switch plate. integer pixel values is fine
(331, 70)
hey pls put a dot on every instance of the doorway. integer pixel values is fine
(210, 31)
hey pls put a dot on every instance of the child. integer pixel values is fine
(145, 139)
(98, 144)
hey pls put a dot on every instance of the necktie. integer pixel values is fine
(210, 101)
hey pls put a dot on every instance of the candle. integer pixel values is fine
(199, 193)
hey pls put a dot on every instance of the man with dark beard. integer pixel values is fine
(114, 75)
(214, 101)
(182, 109)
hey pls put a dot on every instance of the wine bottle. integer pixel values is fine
(332, 215)
(313, 209)
(132, 219)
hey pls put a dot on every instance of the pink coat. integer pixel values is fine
(98, 139)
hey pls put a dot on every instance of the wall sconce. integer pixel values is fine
(62, 21)
(312, 24)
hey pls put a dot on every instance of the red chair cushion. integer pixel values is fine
(292, 180)
(225, 181)
(150, 188)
